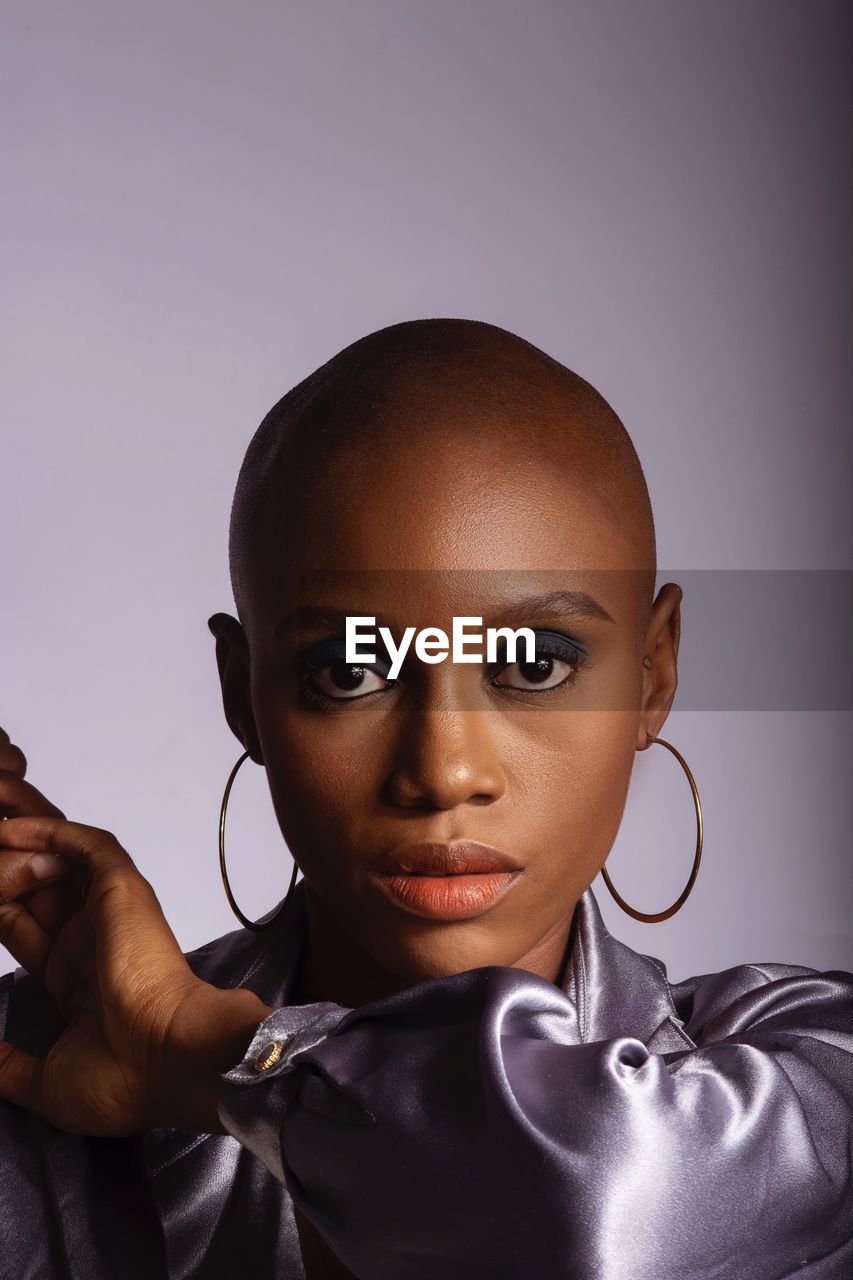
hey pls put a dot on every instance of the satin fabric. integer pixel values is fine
(488, 1124)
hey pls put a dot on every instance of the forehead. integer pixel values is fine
(447, 522)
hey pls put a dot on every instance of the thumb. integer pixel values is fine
(20, 1077)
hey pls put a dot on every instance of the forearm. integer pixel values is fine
(463, 1127)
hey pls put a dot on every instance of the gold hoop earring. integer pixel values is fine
(654, 916)
(257, 926)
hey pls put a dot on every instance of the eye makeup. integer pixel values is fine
(555, 644)
(331, 652)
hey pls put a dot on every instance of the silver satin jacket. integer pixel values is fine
(485, 1126)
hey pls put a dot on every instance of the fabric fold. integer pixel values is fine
(490, 1124)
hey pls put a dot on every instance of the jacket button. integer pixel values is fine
(269, 1055)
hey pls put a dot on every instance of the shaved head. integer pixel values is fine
(434, 471)
(408, 390)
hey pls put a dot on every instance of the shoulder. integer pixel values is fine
(787, 997)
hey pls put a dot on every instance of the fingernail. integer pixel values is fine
(46, 866)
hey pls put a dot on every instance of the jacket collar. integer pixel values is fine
(619, 991)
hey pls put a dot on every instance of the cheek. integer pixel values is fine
(320, 779)
(577, 780)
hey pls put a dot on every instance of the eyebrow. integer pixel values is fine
(557, 604)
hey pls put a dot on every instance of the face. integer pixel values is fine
(531, 760)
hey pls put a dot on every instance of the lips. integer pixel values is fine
(464, 857)
(446, 881)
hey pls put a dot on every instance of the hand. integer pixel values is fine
(146, 1041)
(44, 881)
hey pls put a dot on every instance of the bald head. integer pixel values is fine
(439, 380)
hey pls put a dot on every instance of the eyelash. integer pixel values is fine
(557, 646)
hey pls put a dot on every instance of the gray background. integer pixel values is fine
(202, 202)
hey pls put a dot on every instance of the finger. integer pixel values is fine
(70, 972)
(21, 872)
(93, 852)
(48, 906)
(12, 757)
(20, 799)
(92, 847)
(20, 1074)
(52, 905)
(118, 898)
(27, 932)
(24, 938)
(61, 957)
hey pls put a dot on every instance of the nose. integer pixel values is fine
(445, 758)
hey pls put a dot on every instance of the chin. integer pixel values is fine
(439, 951)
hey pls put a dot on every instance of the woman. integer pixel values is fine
(436, 1061)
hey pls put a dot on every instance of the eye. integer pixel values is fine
(326, 674)
(345, 680)
(556, 662)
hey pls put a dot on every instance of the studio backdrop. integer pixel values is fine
(204, 201)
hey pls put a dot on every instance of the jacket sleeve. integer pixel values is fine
(462, 1130)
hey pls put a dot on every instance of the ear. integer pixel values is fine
(232, 659)
(660, 663)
